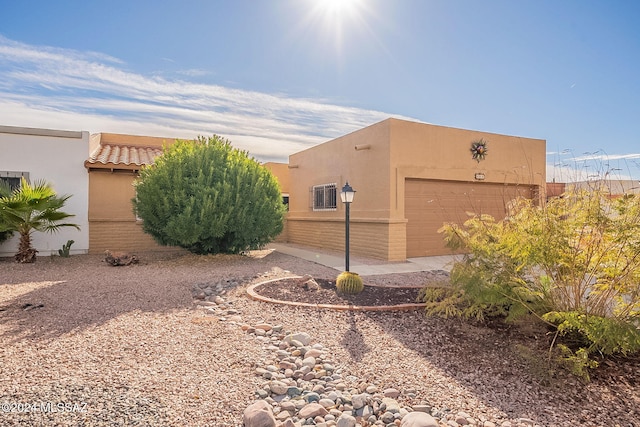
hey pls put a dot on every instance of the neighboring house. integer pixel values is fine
(55, 156)
(555, 189)
(113, 165)
(409, 179)
(281, 172)
(612, 187)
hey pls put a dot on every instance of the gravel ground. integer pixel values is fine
(87, 344)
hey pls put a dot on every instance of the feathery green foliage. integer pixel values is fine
(574, 263)
(208, 197)
(32, 208)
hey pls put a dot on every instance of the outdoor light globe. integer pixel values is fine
(347, 193)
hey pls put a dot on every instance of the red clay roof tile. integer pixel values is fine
(124, 155)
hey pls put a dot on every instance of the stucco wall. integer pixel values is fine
(376, 161)
(114, 226)
(58, 158)
(612, 187)
(281, 172)
(123, 139)
(365, 168)
(362, 159)
(437, 152)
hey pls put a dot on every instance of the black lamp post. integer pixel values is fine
(346, 195)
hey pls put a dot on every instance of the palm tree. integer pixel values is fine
(32, 208)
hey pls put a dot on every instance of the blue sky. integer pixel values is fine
(279, 76)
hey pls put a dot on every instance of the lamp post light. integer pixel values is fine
(346, 195)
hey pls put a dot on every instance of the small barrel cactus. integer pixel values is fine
(66, 248)
(349, 283)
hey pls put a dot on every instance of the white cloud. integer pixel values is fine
(599, 156)
(193, 72)
(567, 167)
(60, 88)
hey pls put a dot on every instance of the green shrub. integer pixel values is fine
(574, 263)
(208, 197)
(349, 283)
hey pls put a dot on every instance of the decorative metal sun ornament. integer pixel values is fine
(479, 150)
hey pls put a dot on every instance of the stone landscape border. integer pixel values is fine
(398, 307)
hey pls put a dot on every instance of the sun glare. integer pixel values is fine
(338, 7)
(337, 17)
(333, 29)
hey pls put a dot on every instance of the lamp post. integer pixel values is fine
(346, 195)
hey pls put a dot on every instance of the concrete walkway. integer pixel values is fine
(362, 267)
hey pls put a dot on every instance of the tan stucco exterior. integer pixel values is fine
(612, 187)
(112, 223)
(377, 161)
(281, 172)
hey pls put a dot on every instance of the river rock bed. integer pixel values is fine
(304, 387)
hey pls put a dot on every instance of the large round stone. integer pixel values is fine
(418, 419)
(312, 410)
(258, 414)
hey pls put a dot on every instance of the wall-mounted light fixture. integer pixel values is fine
(479, 176)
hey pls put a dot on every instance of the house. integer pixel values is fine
(612, 187)
(555, 189)
(113, 165)
(409, 179)
(55, 156)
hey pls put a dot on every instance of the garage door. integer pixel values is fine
(429, 204)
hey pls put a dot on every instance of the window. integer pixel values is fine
(324, 197)
(285, 200)
(13, 178)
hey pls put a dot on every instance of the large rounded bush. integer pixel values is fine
(208, 197)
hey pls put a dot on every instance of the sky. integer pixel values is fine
(279, 76)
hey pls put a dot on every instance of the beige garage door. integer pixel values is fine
(429, 204)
